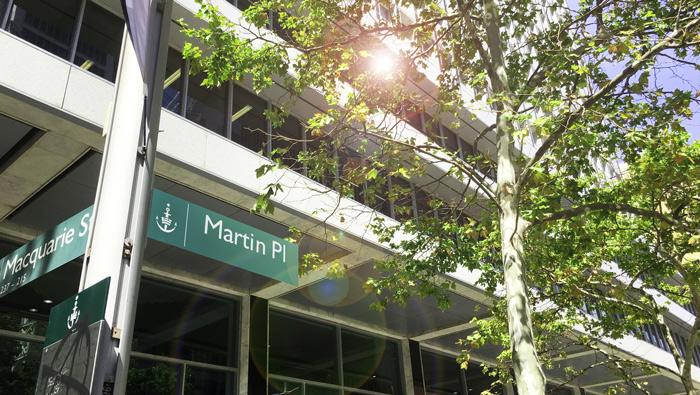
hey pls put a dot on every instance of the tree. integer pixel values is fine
(579, 80)
(657, 243)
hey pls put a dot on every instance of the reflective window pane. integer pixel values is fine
(441, 374)
(148, 377)
(172, 86)
(478, 381)
(376, 195)
(302, 349)
(449, 140)
(289, 136)
(187, 325)
(282, 387)
(19, 366)
(99, 42)
(46, 24)
(351, 173)
(249, 127)
(422, 202)
(206, 106)
(553, 389)
(370, 363)
(401, 195)
(318, 390)
(200, 381)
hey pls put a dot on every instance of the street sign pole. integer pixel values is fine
(145, 173)
(116, 244)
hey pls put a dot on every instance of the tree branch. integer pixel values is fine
(614, 207)
(573, 116)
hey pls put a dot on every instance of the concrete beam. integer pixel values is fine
(44, 160)
(617, 381)
(445, 331)
(349, 261)
(575, 355)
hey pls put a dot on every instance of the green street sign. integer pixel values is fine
(78, 311)
(49, 251)
(77, 345)
(182, 224)
(173, 221)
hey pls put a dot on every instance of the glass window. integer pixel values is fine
(99, 42)
(432, 129)
(376, 195)
(242, 4)
(449, 140)
(302, 349)
(148, 377)
(172, 86)
(19, 365)
(205, 106)
(422, 202)
(350, 164)
(466, 149)
(289, 135)
(478, 381)
(441, 374)
(322, 171)
(182, 324)
(283, 33)
(249, 127)
(370, 363)
(200, 381)
(554, 389)
(402, 196)
(46, 24)
(283, 387)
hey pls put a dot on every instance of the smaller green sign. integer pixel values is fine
(179, 223)
(79, 311)
(51, 249)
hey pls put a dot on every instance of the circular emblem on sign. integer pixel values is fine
(74, 316)
(164, 222)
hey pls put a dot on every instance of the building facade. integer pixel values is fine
(204, 327)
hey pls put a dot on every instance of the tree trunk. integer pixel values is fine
(529, 375)
(528, 372)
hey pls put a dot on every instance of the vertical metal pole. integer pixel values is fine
(122, 201)
(183, 379)
(389, 185)
(229, 110)
(143, 188)
(305, 147)
(339, 356)
(268, 123)
(185, 87)
(76, 32)
(414, 201)
(460, 148)
(6, 14)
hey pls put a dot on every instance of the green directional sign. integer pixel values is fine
(50, 250)
(172, 221)
(80, 310)
(194, 228)
(77, 345)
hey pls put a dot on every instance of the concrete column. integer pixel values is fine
(244, 346)
(406, 367)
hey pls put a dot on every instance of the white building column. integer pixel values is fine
(406, 367)
(244, 346)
